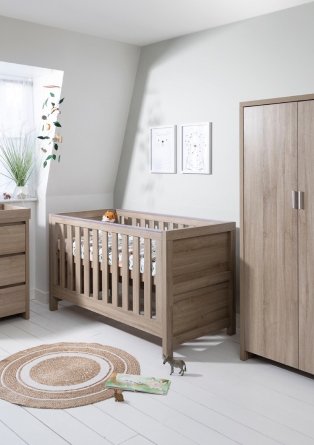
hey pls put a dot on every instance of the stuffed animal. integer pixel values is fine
(6, 195)
(110, 216)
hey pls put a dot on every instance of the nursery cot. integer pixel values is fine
(170, 276)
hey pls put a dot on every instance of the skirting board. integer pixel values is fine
(39, 295)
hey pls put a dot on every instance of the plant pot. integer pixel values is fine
(21, 192)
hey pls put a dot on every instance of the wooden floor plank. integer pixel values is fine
(9, 437)
(27, 426)
(219, 400)
(69, 427)
(106, 426)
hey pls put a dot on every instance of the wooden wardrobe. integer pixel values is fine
(277, 230)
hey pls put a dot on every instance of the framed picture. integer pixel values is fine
(163, 149)
(196, 148)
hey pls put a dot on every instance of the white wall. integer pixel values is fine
(203, 77)
(98, 83)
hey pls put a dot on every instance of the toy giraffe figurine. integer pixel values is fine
(174, 363)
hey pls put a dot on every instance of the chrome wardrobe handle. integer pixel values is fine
(300, 200)
(295, 199)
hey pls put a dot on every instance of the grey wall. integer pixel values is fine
(98, 83)
(203, 77)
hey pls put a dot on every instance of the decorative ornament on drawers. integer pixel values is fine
(14, 264)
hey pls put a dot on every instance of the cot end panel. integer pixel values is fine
(203, 286)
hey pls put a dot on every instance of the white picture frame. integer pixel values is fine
(196, 148)
(163, 153)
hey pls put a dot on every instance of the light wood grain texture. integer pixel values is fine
(136, 275)
(12, 300)
(232, 283)
(190, 255)
(12, 270)
(95, 264)
(12, 238)
(14, 260)
(115, 269)
(147, 279)
(104, 266)
(27, 310)
(306, 235)
(53, 263)
(78, 270)
(62, 262)
(270, 232)
(86, 262)
(278, 100)
(69, 258)
(125, 272)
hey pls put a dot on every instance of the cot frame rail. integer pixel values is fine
(191, 299)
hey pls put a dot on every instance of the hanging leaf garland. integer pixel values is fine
(50, 111)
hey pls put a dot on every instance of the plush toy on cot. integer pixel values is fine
(110, 216)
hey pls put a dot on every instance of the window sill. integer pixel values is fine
(16, 200)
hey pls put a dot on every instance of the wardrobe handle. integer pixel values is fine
(295, 199)
(300, 200)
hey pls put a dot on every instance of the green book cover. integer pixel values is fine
(130, 382)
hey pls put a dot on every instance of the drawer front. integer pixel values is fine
(12, 239)
(12, 270)
(12, 300)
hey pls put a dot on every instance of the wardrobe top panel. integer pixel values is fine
(277, 100)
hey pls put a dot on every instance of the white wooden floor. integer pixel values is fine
(220, 400)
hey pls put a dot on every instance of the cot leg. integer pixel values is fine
(53, 303)
(167, 347)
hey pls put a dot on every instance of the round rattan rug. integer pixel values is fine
(62, 375)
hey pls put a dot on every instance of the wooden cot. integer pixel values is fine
(190, 294)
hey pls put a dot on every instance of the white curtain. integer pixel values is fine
(16, 107)
(16, 115)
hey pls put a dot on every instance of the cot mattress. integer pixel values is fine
(130, 250)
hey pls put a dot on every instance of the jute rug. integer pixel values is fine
(62, 375)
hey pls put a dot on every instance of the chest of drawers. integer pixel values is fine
(14, 263)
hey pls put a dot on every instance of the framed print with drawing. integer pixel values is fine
(163, 157)
(196, 148)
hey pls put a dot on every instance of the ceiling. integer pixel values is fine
(139, 22)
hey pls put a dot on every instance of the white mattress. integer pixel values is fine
(130, 248)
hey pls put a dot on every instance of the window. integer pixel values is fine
(16, 116)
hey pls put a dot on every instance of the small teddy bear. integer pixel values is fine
(6, 195)
(110, 216)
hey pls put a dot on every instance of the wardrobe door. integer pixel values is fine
(306, 234)
(270, 230)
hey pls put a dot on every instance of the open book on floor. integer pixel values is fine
(130, 382)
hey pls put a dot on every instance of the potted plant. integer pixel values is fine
(16, 157)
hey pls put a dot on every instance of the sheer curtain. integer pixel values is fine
(16, 115)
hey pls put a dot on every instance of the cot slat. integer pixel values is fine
(125, 272)
(161, 225)
(104, 266)
(62, 255)
(151, 224)
(158, 278)
(55, 274)
(114, 269)
(95, 265)
(136, 275)
(78, 260)
(147, 279)
(69, 256)
(143, 222)
(86, 263)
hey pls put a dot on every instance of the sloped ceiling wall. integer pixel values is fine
(98, 82)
